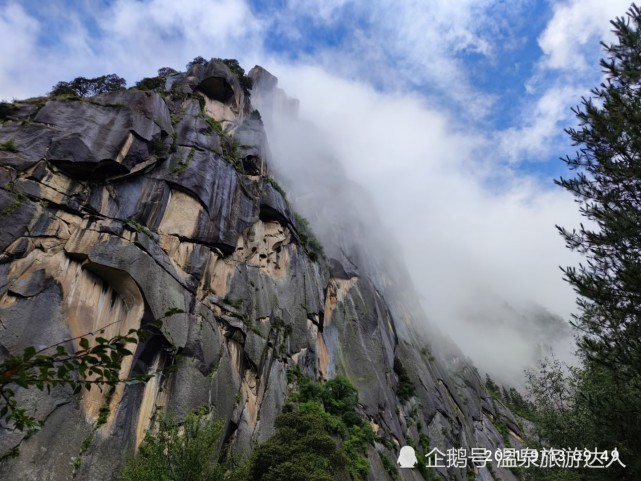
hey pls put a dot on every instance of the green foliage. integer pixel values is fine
(232, 155)
(245, 81)
(165, 72)
(510, 398)
(183, 164)
(328, 415)
(491, 386)
(173, 148)
(310, 243)
(599, 403)
(154, 84)
(20, 198)
(104, 411)
(565, 415)
(389, 466)
(77, 363)
(84, 87)
(214, 125)
(159, 148)
(9, 146)
(340, 398)
(136, 226)
(300, 450)
(90, 365)
(277, 187)
(233, 301)
(196, 61)
(405, 388)
(181, 452)
(608, 188)
(233, 65)
(256, 116)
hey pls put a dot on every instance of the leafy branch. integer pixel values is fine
(96, 363)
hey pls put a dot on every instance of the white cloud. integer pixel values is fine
(566, 71)
(541, 125)
(320, 11)
(17, 31)
(163, 32)
(428, 170)
(571, 37)
(466, 242)
(133, 39)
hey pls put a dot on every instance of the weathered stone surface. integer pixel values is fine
(16, 213)
(31, 140)
(226, 209)
(111, 135)
(194, 131)
(145, 107)
(119, 208)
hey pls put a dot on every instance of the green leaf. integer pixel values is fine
(29, 352)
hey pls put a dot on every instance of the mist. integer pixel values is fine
(477, 236)
(456, 195)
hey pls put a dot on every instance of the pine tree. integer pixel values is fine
(608, 189)
(607, 186)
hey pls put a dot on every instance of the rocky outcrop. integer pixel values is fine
(119, 208)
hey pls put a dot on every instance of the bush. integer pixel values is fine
(84, 87)
(196, 61)
(333, 408)
(405, 389)
(245, 81)
(9, 146)
(165, 72)
(308, 240)
(256, 115)
(153, 84)
(277, 187)
(178, 452)
(301, 450)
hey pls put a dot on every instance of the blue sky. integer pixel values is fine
(450, 113)
(487, 62)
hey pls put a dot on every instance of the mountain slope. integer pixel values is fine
(118, 208)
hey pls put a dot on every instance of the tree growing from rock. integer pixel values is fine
(84, 87)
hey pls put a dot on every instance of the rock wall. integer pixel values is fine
(118, 208)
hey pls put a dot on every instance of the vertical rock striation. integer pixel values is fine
(118, 208)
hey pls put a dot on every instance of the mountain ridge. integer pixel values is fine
(129, 204)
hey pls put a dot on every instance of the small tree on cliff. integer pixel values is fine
(84, 87)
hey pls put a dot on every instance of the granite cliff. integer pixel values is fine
(117, 208)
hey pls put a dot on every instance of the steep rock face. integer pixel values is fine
(118, 208)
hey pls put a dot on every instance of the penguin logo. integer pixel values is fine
(407, 457)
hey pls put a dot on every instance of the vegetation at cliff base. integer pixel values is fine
(182, 452)
(301, 450)
(320, 437)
